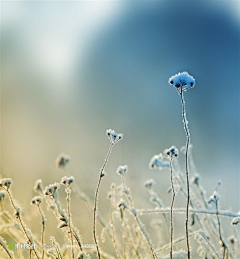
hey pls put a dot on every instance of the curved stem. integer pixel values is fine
(96, 199)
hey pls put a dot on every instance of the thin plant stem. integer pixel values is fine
(219, 231)
(21, 223)
(43, 229)
(96, 199)
(68, 190)
(9, 255)
(186, 167)
(171, 214)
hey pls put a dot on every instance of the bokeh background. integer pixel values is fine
(72, 69)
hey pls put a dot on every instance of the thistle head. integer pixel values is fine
(182, 81)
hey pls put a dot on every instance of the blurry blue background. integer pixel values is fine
(71, 70)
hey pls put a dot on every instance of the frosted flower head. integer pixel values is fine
(38, 187)
(157, 162)
(122, 169)
(51, 189)
(214, 197)
(122, 204)
(67, 180)
(5, 183)
(196, 179)
(182, 81)
(149, 184)
(62, 160)
(113, 136)
(235, 221)
(37, 200)
(171, 153)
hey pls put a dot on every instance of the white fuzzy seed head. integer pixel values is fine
(113, 136)
(171, 153)
(62, 160)
(182, 81)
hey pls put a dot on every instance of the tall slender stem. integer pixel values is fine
(21, 223)
(171, 215)
(69, 219)
(43, 229)
(185, 123)
(96, 199)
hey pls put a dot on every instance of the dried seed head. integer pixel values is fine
(149, 184)
(67, 180)
(122, 204)
(196, 179)
(122, 169)
(158, 163)
(51, 189)
(113, 136)
(235, 221)
(182, 80)
(171, 153)
(214, 198)
(2, 196)
(5, 183)
(37, 200)
(38, 187)
(62, 160)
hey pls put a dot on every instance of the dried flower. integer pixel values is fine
(62, 160)
(5, 182)
(171, 153)
(2, 196)
(196, 179)
(236, 221)
(37, 200)
(149, 184)
(158, 163)
(67, 180)
(182, 80)
(38, 187)
(214, 197)
(122, 169)
(113, 136)
(51, 189)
